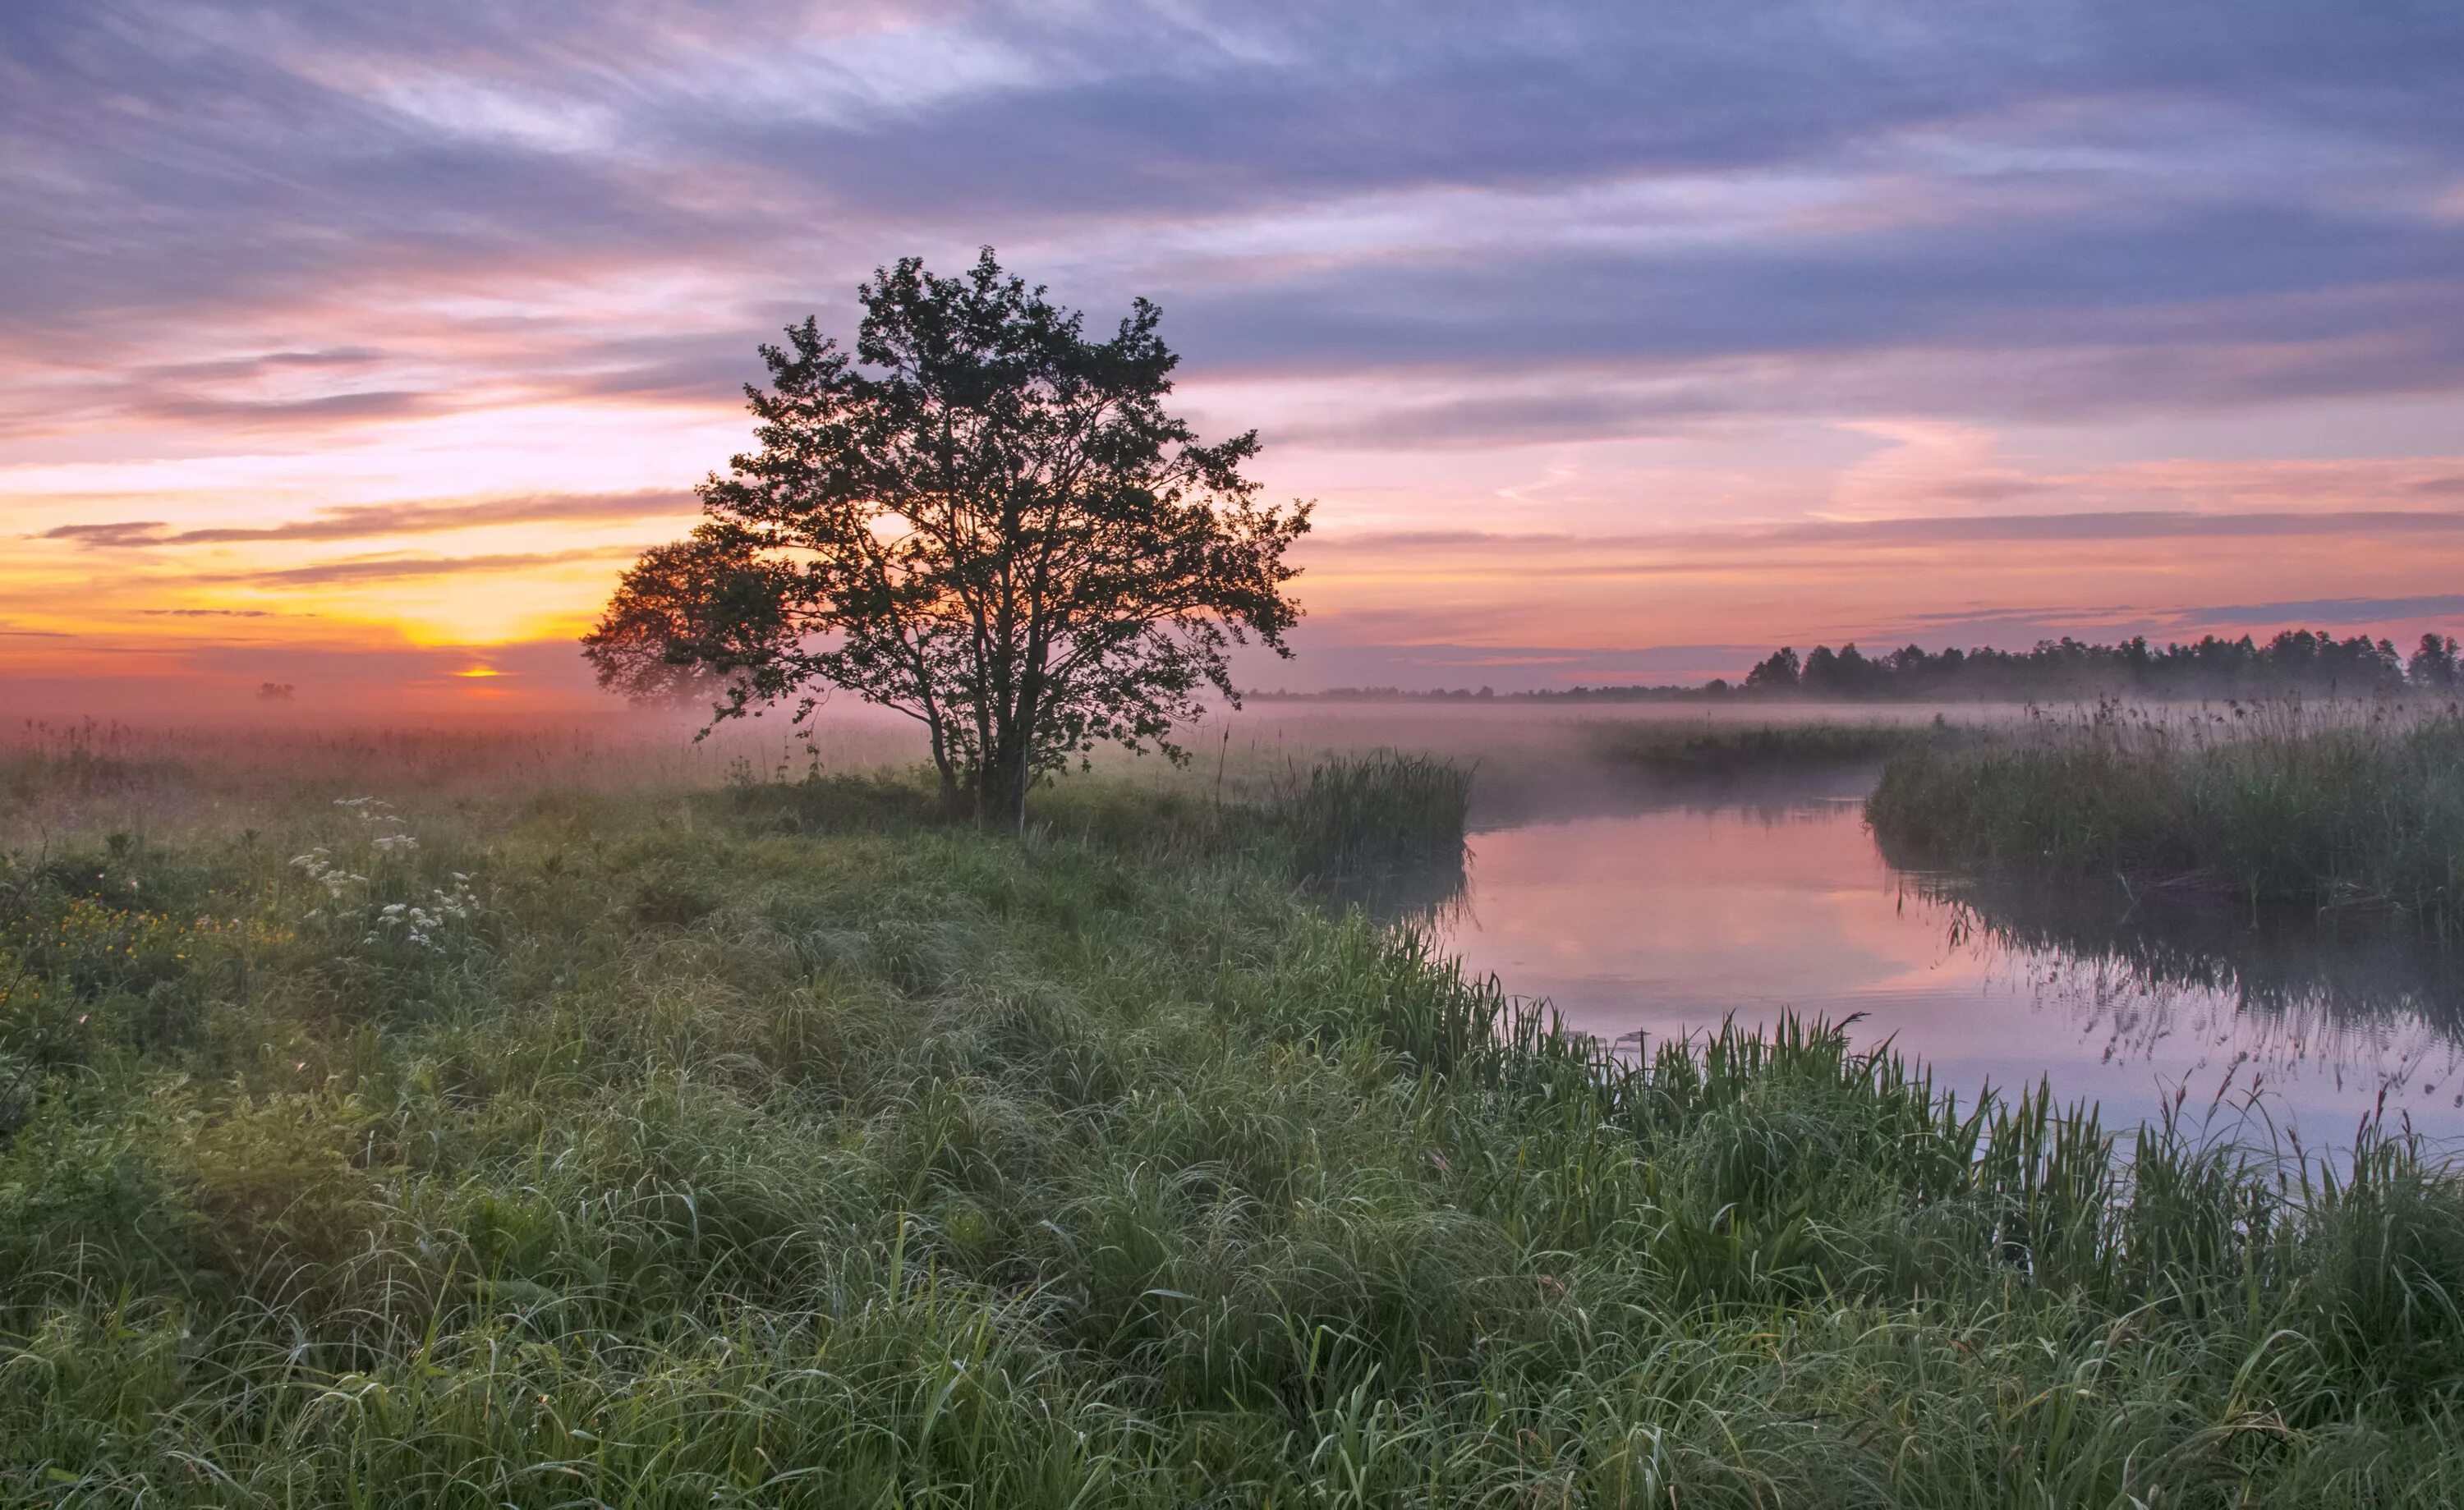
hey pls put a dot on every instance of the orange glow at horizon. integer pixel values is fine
(350, 357)
(430, 546)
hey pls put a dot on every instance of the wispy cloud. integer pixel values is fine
(2334, 612)
(2137, 525)
(121, 531)
(1949, 183)
(395, 568)
(377, 520)
(1923, 529)
(245, 414)
(220, 613)
(264, 363)
(1663, 327)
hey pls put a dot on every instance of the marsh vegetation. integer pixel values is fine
(786, 1142)
(1762, 749)
(2327, 806)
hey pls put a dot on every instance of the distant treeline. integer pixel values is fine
(2303, 661)
(2295, 661)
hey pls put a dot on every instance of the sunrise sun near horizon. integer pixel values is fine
(363, 359)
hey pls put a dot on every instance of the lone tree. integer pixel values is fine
(981, 520)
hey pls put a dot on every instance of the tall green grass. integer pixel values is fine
(1361, 816)
(2272, 804)
(786, 1145)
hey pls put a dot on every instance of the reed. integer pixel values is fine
(2271, 803)
(1354, 816)
(791, 1145)
(1676, 750)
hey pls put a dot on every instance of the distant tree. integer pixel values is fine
(979, 518)
(2296, 661)
(1777, 674)
(2386, 664)
(1821, 675)
(2433, 663)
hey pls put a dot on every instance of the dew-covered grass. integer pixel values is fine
(790, 1144)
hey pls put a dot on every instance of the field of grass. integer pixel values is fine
(782, 1144)
(2270, 805)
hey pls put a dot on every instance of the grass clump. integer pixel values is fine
(2272, 804)
(905, 1164)
(1356, 816)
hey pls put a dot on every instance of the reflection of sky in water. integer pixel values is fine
(1664, 921)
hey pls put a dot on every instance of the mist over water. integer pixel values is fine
(1638, 904)
(1646, 907)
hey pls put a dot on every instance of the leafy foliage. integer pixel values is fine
(979, 517)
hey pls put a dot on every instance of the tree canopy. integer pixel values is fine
(2296, 661)
(981, 518)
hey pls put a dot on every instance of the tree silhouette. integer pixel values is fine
(981, 520)
(2433, 662)
(2297, 660)
(1779, 674)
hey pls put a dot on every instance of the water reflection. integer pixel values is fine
(2292, 967)
(1668, 911)
(1428, 897)
(2356, 998)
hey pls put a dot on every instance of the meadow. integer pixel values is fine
(393, 1128)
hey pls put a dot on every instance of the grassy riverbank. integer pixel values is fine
(785, 1144)
(2272, 804)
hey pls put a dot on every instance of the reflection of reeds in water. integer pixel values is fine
(2365, 1000)
(1434, 896)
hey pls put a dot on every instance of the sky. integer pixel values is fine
(355, 348)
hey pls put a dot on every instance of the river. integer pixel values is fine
(1667, 912)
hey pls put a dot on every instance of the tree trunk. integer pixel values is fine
(1001, 793)
(943, 763)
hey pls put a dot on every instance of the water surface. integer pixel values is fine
(1660, 914)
